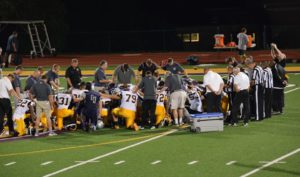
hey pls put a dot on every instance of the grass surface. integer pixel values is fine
(261, 141)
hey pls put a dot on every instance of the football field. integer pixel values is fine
(269, 148)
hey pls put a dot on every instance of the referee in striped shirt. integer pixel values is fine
(268, 88)
(256, 82)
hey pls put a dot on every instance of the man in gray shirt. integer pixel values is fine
(178, 96)
(242, 42)
(148, 87)
(101, 80)
(17, 83)
(41, 91)
(173, 67)
(124, 74)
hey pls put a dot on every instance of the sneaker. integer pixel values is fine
(52, 134)
(116, 127)
(135, 127)
(233, 125)
(36, 134)
(245, 124)
(152, 128)
(4, 134)
(141, 127)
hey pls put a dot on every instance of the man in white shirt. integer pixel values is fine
(6, 89)
(241, 88)
(214, 86)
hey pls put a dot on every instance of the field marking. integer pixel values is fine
(231, 162)
(84, 161)
(46, 163)
(10, 163)
(290, 85)
(76, 147)
(119, 162)
(155, 162)
(289, 91)
(271, 163)
(281, 162)
(192, 162)
(112, 153)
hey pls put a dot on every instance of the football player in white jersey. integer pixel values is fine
(21, 113)
(161, 104)
(127, 109)
(194, 99)
(63, 101)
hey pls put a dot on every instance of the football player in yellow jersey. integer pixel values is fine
(127, 109)
(161, 104)
(20, 114)
(63, 101)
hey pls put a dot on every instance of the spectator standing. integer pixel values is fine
(148, 65)
(12, 47)
(148, 86)
(53, 77)
(173, 67)
(73, 74)
(178, 96)
(242, 43)
(214, 86)
(101, 81)
(124, 74)
(41, 91)
(6, 89)
(241, 89)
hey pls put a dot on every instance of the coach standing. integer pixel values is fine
(32, 79)
(178, 96)
(256, 83)
(241, 89)
(6, 89)
(148, 87)
(44, 103)
(280, 82)
(73, 74)
(101, 80)
(17, 83)
(148, 65)
(173, 67)
(214, 86)
(53, 77)
(124, 74)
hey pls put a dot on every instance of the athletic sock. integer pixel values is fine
(176, 121)
(180, 121)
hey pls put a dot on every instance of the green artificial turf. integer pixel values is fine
(261, 141)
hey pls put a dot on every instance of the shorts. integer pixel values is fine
(43, 107)
(177, 99)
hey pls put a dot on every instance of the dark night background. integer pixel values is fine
(118, 26)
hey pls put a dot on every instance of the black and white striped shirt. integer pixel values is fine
(268, 78)
(230, 83)
(257, 75)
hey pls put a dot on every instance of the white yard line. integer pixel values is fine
(289, 91)
(119, 162)
(111, 153)
(46, 163)
(192, 162)
(84, 161)
(271, 163)
(10, 163)
(231, 162)
(155, 162)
